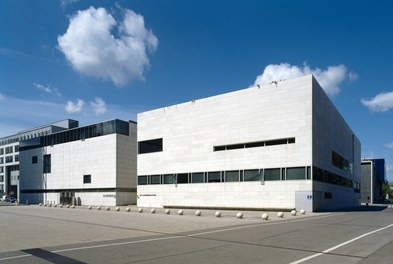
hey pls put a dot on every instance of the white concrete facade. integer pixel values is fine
(289, 109)
(100, 170)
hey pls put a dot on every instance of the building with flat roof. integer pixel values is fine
(90, 165)
(373, 176)
(9, 153)
(277, 146)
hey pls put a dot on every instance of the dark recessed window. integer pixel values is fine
(34, 159)
(219, 148)
(252, 175)
(142, 180)
(272, 175)
(232, 176)
(236, 146)
(87, 178)
(296, 173)
(214, 176)
(155, 179)
(197, 177)
(182, 178)
(149, 146)
(276, 142)
(47, 163)
(168, 179)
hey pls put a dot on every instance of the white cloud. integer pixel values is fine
(47, 88)
(2, 96)
(99, 106)
(92, 49)
(65, 3)
(389, 145)
(74, 107)
(380, 103)
(329, 79)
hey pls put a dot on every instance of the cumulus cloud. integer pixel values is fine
(380, 103)
(92, 49)
(76, 107)
(329, 79)
(47, 88)
(99, 106)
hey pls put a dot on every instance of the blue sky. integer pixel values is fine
(98, 60)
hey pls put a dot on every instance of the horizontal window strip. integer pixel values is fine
(79, 190)
(257, 144)
(244, 175)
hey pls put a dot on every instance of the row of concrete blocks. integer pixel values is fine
(239, 215)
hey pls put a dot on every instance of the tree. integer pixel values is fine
(385, 188)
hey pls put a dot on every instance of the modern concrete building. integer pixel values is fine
(373, 176)
(277, 146)
(90, 165)
(9, 153)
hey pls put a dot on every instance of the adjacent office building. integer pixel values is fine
(277, 146)
(90, 165)
(9, 153)
(373, 176)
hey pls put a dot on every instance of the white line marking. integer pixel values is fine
(173, 237)
(117, 244)
(340, 245)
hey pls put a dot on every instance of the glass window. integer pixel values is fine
(1, 169)
(168, 179)
(16, 148)
(47, 163)
(214, 176)
(182, 178)
(255, 144)
(1, 151)
(1, 178)
(1, 160)
(149, 146)
(236, 146)
(16, 158)
(155, 179)
(197, 177)
(87, 178)
(272, 174)
(9, 159)
(34, 159)
(232, 176)
(251, 175)
(276, 142)
(219, 148)
(142, 180)
(296, 173)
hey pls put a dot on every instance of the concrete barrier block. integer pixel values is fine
(153, 211)
(218, 214)
(280, 214)
(117, 209)
(180, 212)
(265, 216)
(167, 211)
(198, 213)
(293, 212)
(239, 215)
(128, 209)
(302, 211)
(140, 210)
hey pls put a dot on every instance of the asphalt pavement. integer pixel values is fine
(38, 234)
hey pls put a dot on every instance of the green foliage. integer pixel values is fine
(385, 188)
